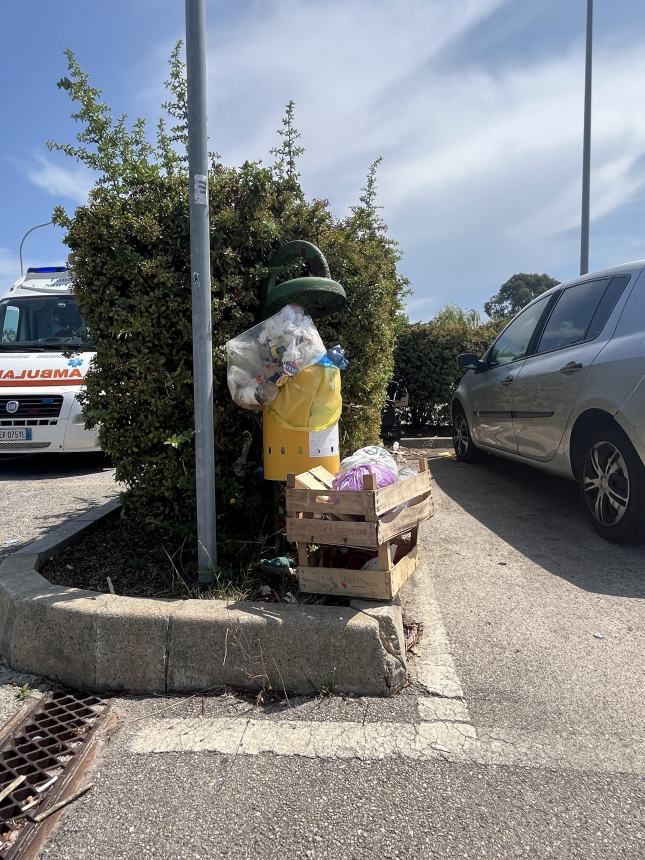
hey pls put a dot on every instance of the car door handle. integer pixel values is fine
(507, 380)
(571, 367)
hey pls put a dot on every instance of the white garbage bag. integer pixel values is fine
(261, 359)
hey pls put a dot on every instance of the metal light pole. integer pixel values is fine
(586, 149)
(200, 277)
(22, 241)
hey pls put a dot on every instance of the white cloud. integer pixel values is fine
(482, 161)
(343, 65)
(74, 183)
(9, 269)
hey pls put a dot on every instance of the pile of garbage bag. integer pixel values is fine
(282, 365)
(379, 462)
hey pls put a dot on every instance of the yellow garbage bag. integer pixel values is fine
(311, 400)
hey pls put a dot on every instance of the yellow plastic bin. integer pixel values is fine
(295, 451)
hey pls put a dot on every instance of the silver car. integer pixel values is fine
(563, 389)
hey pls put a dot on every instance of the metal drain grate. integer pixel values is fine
(46, 748)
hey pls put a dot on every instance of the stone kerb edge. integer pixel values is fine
(107, 642)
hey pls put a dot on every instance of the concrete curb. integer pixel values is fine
(426, 442)
(107, 642)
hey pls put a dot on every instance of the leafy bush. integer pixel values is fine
(426, 361)
(130, 263)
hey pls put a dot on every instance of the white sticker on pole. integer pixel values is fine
(324, 443)
(200, 189)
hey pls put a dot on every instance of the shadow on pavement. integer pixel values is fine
(35, 467)
(542, 517)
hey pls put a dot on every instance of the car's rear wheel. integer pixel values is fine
(465, 449)
(612, 485)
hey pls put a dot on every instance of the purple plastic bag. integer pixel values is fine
(352, 479)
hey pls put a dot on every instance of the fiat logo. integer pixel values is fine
(12, 406)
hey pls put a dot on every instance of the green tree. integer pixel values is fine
(517, 292)
(130, 262)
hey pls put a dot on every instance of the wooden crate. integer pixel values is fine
(364, 519)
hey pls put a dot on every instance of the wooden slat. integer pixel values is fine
(370, 584)
(403, 571)
(335, 533)
(402, 491)
(315, 501)
(317, 478)
(384, 558)
(303, 555)
(369, 481)
(407, 519)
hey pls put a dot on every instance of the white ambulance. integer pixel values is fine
(45, 351)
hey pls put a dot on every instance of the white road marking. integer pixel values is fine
(444, 732)
(590, 753)
(433, 709)
(449, 740)
(433, 667)
(311, 739)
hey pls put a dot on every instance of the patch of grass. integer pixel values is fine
(225, 586)
(23, 692)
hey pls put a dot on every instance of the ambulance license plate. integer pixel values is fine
(15, 434)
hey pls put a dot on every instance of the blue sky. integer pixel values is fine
(475, 106)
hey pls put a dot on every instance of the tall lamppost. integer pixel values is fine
(22, 241)
(200, 279)
(586, 149)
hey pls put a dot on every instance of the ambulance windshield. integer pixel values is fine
(35, 323)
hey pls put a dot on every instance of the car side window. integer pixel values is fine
(608, 302)
(10, 324)
(514, 341)
(571, 317)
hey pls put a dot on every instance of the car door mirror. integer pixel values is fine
(468, 361)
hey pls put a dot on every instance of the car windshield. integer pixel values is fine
(43, 323)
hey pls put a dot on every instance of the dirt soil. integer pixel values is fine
(132, 554)
(128, 551)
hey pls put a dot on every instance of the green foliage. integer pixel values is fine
(130, 263)
(364, 260)
(179, 439)
(518, 291)
(23, 692)
(453, 315)
(426, 360)
(288, 153)
(9, 335)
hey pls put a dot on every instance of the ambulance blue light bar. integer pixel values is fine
(46, 269)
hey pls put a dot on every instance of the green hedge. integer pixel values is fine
(130, 265)
(426, 362)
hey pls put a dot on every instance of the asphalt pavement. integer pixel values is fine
(39, 492)
(521, 734)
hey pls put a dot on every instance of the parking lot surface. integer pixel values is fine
(521, 733)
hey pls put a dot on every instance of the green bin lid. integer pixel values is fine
(318, 296)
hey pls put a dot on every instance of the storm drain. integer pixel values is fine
(39, 760)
